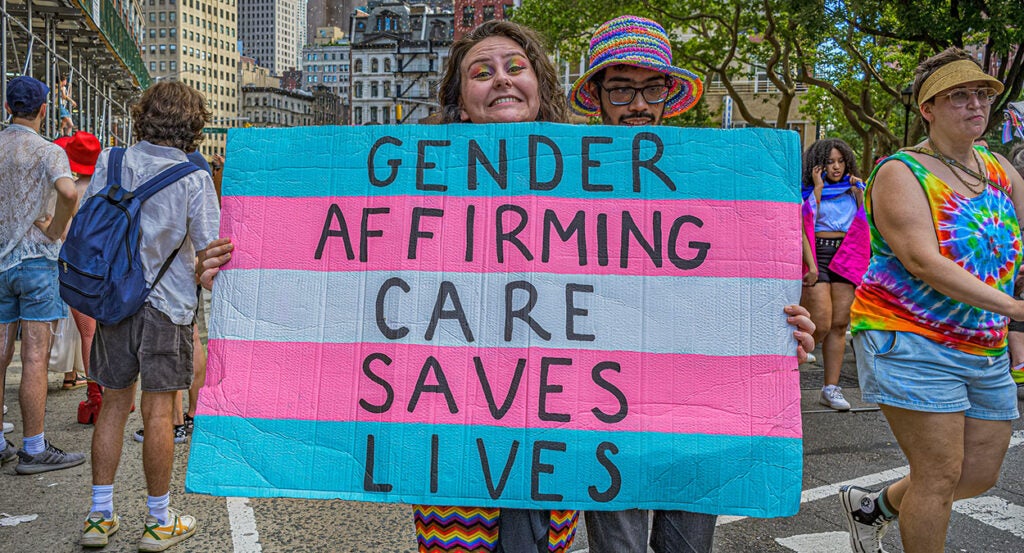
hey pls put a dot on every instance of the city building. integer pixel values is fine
(268, 32)
(470, 13)
(267, 106)
(399, 51)
(326, 62)
(330, 13)
(194, 41)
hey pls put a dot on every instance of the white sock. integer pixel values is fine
(103, 500)
(158, 506)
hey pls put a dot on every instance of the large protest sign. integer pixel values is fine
(519, 315)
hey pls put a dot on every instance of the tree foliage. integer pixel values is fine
(854, 58)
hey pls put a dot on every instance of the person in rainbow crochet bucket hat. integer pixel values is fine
(630, 79)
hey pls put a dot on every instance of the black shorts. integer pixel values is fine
(146, 346)
(825, 249)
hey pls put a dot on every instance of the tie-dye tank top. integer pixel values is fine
(980, 234)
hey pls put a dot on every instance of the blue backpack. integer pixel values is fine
(100, 270)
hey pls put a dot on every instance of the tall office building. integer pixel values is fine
(269, 34)
(193, 41)
(330, 13)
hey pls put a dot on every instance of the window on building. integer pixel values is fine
(173, 16)
(488, 12)
(387, 89)
(385, 115)
(174, 65)
(163, 48)
(163, 66)
(373, 114)
(467, 16)
(358, 66)
(357, 90)
(152, 66)
(163, 16)
(357, 115)
(374, 65)
(174, 48)
(152, 17)
(387, 65)
(163, 33)
(373, 89)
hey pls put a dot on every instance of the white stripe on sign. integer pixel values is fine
(816, 543)
(244, 536)
(867, 481)
(994, 511)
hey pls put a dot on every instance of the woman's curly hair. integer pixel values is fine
(171, 113)
(553, 106)
(817, 155)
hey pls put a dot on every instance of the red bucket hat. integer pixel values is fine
(83, 150)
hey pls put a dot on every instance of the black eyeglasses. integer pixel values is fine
(623, 95)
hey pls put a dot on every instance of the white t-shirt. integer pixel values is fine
(187, 206)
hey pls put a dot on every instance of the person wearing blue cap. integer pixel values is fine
(37, 200)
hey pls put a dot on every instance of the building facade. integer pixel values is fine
(268, 32)
(470, 13)
(276, 107)
(399, 51)
(194, 41)
(327, 66)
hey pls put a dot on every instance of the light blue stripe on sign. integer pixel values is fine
(680, 315)
(742, 164)
(728, 475)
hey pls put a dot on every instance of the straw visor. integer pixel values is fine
(953, 74)
(640, 42)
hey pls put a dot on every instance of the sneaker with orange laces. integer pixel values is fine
(157, 537)
(98, 529)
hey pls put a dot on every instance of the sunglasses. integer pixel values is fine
(959, 97)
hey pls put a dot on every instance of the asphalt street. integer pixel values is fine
(44, 513)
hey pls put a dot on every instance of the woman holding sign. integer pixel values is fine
(833, 197)
(929, 320)
(498, 73)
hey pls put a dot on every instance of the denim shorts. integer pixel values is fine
(909, 371)
(147, 346)
(29, 292)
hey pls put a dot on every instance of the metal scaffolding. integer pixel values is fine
(50, 39)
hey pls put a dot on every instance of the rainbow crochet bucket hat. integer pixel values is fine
(640, 42)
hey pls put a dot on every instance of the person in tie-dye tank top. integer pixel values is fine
(929, 320)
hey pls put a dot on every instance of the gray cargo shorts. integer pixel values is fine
(146, 344)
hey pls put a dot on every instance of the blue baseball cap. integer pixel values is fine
(25, 94)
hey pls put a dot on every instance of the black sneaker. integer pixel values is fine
(189, 424)
(51, 458)
(864, 518)
(179, 434)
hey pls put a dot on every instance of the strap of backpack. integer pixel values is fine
(114, 160)
(162, 180)
(158, 183)
(167, 264)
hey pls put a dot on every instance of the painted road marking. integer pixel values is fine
(867, 481)
(244, 536)
(994, 511)
(816, 543)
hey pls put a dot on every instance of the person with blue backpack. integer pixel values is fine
(129, 262)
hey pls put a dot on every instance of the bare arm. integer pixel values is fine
(901, 213)
(67, 204)
(811, 277)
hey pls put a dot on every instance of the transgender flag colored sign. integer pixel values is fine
(517, 315)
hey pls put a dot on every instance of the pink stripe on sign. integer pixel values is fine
(556, 388)
(409, 233)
